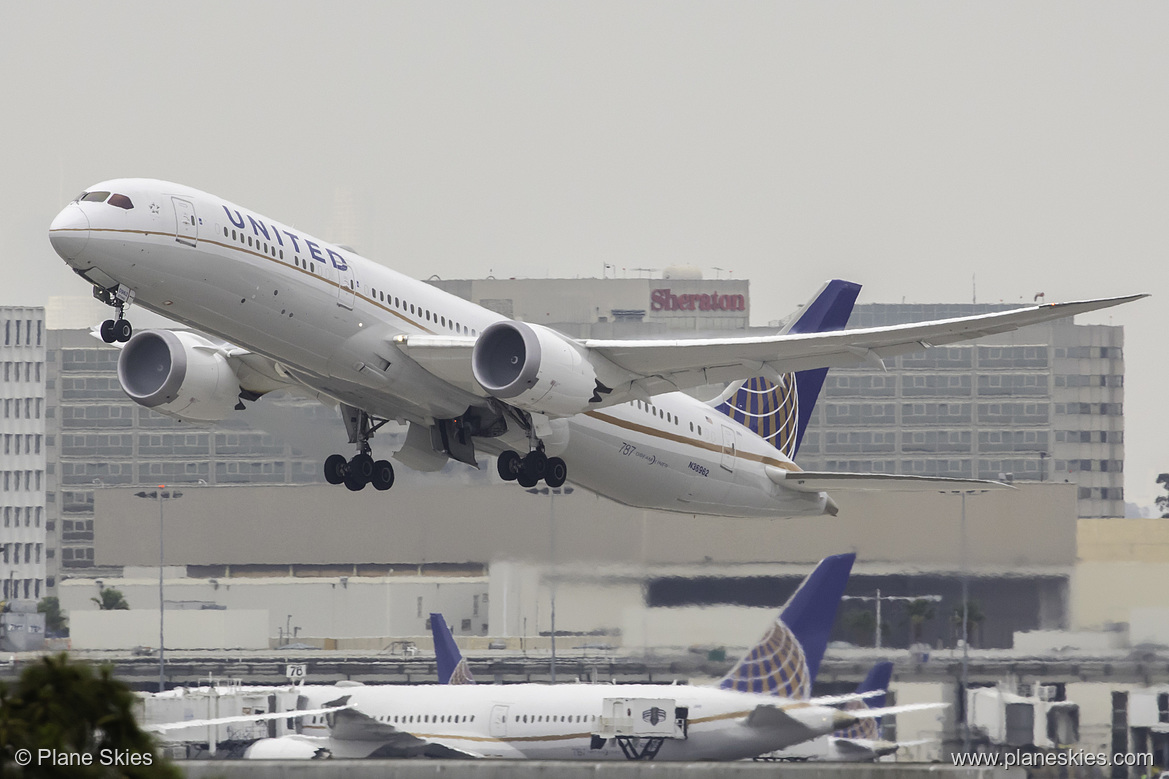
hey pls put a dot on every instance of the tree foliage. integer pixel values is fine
(73, 709)
(1163, 500)
(920, 611)
(111, 599)
(56, 623)
(974, 620)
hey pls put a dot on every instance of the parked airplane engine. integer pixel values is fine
(538, 369)
(180, 374)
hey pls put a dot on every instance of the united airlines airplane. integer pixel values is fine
(762, 704)
(272, 307)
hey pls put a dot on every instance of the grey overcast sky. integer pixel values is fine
(924, 149)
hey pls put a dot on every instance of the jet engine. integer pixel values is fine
(180, 374)
(538, 369)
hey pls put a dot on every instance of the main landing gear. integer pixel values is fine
(119, 328)
(362, 469)
(533, 467)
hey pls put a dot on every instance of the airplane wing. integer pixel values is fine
(202, 723)
(655, 366)
(667, 365)
(352, 725)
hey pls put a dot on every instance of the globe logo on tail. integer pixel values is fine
(776, 666)
(769, 410)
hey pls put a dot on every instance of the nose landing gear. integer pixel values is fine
(119, 328)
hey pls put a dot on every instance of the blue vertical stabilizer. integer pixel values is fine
(452, 666)
(780, 411)
(869, 729)
(786, 660)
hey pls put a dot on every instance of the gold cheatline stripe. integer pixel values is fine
(654, 432)
(696, 442)
(260, 255)
(568, 736)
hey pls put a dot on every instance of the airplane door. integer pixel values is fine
(186, 226)
(346, 287)
(499, 721)
(728, 449)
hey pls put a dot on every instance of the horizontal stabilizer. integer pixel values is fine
(887, 710)
(821, 481)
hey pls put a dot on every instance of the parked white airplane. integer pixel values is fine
(296, 312)
(762, 704)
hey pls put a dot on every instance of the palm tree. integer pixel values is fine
(974, 619)
(111, 599)
(860, 625)
(920, 611)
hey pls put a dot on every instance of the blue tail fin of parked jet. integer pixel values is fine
(787, 658)
(869, 729)
(452, 666)
(780, 411)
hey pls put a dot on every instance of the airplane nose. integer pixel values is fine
(69, 232)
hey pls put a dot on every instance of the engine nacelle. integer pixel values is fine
(179, 374)
(538, 369)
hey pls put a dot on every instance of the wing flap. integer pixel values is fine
(826, 481)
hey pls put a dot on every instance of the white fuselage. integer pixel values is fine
(325, 315)
(555, 722)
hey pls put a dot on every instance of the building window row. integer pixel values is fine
(23, 408)
(12, 327)
(1103, 409)
(1090, 380)
(1089, 436)
(29, 589)
(10, 553)
(22, 443)
(1090, 352)
(31, 516)
(22, 371)
(31, 480)
(1102, 466)
(1100, 493)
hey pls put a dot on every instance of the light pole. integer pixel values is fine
(552, 493)
(965, 563)
(160, 495)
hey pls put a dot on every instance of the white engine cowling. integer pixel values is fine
(538, 369)
(179, 374)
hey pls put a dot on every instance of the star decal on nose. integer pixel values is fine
(154, 208)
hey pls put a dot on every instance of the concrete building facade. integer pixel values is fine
(1044, 403)
(23, 456)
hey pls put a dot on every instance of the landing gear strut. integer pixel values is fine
(119, 328)
(361, 469)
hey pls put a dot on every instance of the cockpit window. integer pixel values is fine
(121, 201)
(95, 197)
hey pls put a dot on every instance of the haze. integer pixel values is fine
(933, 152)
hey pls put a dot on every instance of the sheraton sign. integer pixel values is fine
(665, 300)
